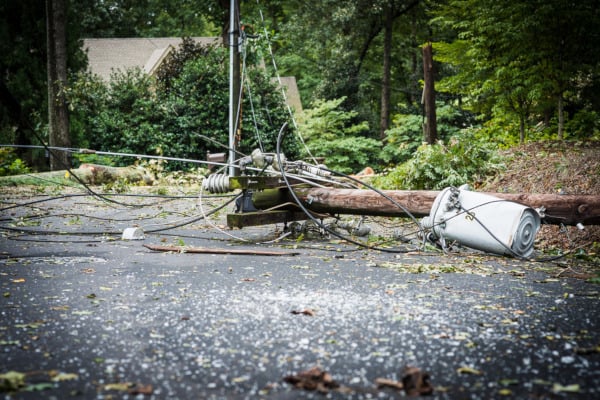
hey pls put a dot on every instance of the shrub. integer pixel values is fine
(10, 164)
(333, 134)
(465, 159)
(406, 134)
(136, 114)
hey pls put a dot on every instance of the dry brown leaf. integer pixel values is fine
(141, 389)
(383, 382)
(307, 311)
(313, 379)
(416, 382)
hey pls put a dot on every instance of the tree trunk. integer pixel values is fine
(521, 129)
(430, 128)
(58, 115)
(384, 122)
(561, 117)
(88, 173)
(414, 56)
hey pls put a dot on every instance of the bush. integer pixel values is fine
(334, 135)
(585, 125)
(465, 159)
(10, 164)
(406, 134)
(136, 114)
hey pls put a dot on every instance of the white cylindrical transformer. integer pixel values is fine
(483, 222)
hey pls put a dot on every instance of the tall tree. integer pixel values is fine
(430, 126)
(388, 29)
(58, 114)
(146, 18)
(347, 55)
(22, 71)
(514, 57)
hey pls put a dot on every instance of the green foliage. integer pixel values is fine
(514, 59)
(348, 154)
(403, 138)
(23, 70)
(79, 159)
(584, 125)
(10, 164)
(173, 66)
(333, 134)
(148, 18)
(406, 133)
(136, 114)
(465, 159)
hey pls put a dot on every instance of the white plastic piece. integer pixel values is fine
(135, 233)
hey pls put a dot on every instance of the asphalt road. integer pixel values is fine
(85, 314)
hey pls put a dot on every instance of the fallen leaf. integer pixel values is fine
(141, 389)
(587, 350)
(121, 386)
(31, 325)
(313, 379)
(88, 270)
(38, 387)
(83, 312)
(469, 370)
(383, 382)
(307, 311)
(12, 380)
(416, 382)
(248, 280)
(18, 280)
(63, 376)
(557, 388)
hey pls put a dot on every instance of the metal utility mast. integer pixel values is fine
(234, 82)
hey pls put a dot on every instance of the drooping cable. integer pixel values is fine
(92, 233)
(289, 109)
(309, 214)
(258, 138)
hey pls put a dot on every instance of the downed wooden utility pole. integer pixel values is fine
(558, 209)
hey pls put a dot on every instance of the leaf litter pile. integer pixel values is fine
(553, 167)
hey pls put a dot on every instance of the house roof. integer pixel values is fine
(106, 56)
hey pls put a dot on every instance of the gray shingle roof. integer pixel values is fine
(106, 56)
(119, 54)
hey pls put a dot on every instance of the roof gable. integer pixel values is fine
(106, 56)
